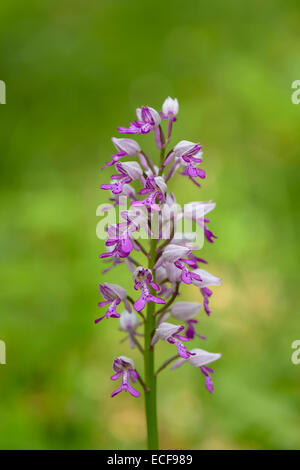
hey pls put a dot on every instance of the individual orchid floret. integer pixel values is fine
(119, 239)
(169, 332)
(170, 109)
(176, 254)
(113, 295)
(197, 211)
(186, 311)
(119, 235)
(170, 273)
(207, 279)
(125, 148)
(184, 149)
(172, 253)
(156, 188)
(185, 239)
(129, 322)
(190, 169)
(128, 172)
(143, 279)
(189, 156)
(148, 119)
(124, 367)
(201, 358)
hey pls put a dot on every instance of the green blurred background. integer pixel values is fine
(74, 71)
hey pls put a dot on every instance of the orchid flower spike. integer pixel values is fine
(140, 189)
(169, 332)
(124, 367)
(113, 295)
(201, 358)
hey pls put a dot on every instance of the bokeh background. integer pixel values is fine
(75, 70)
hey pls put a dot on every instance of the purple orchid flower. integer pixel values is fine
(176, 254)
(196, 211)
(121, 198)
(170, 110)
(156, 188)
(124, 366)
(207, 279)
(119, 236)
(120, 239)
(169, 332)
(201, 358)
(125, 147)
(193, 261)
(188, 155)
(143, 278)
(113, 295)
(128, 172)
(186, 311)
(148, 120)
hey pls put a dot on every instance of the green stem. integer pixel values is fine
(150, 378)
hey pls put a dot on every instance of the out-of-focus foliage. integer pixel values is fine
(75, 70)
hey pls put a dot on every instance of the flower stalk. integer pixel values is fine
(150, 378)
